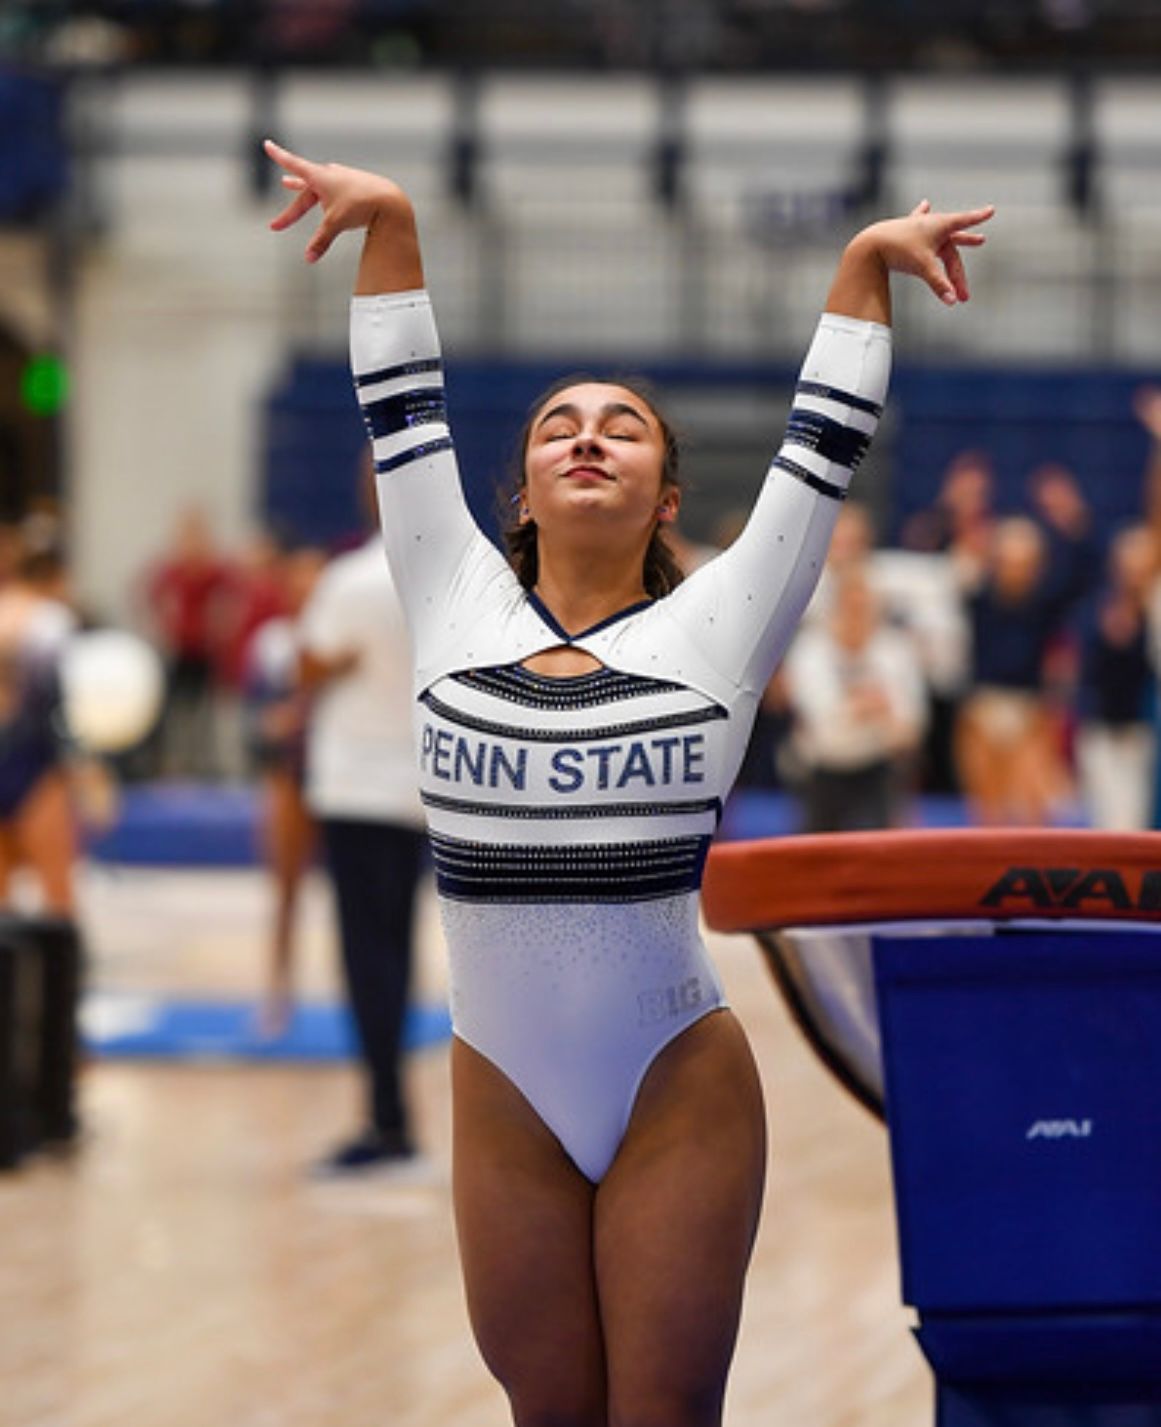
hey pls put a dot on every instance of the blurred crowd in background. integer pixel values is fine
(1010, 658)
(727, 34)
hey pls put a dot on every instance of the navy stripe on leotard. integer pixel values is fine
(707, 713)
(530, 690)
(569, 811)
(400, 369)
(845, 445)
(420, 406)
(609, 872)
(414, 453)
(816, 483)
(845, 398)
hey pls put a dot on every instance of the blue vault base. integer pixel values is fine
(1022, 1075)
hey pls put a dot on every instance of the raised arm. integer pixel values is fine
(765, 579)
(435, 548)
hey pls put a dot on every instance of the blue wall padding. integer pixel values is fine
(1021, 417)
(34, 167)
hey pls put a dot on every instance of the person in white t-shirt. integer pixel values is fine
(361, 785)
(856, 688)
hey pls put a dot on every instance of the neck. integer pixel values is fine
(582, 588)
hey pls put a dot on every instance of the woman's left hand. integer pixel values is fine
(927, 245)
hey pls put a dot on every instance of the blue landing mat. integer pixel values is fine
(128, 1026)
(183, 825)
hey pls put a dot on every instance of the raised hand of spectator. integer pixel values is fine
(1147, 408)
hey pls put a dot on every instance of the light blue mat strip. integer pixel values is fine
(130, 1026)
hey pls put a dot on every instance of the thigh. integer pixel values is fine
(9, 861)
(46, 838)
(524, 1221)
(675, 1223)
(289, 831)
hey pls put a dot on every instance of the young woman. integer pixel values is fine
(579, 724)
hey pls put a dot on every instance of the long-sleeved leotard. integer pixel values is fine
(570, 817)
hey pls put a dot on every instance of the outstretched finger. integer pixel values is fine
(971, 218)
(294, 210)
(956, 272)
(284, 158)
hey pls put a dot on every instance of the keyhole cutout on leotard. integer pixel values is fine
(562, 661)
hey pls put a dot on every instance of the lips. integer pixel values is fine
(587, 473)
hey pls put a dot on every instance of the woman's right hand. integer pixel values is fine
(351, 199)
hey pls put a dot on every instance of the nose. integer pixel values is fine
(586, 442)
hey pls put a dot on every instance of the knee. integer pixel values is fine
(557, 1404)
(678, 1409)
(527, 1413)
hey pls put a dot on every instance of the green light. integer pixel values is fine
(44, 385)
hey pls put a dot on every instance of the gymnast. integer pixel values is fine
(581, 714)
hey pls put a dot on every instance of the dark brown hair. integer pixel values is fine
(661, 572)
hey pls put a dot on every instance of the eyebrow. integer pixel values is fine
(611, 408)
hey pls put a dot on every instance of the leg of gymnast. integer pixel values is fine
(615, 1302)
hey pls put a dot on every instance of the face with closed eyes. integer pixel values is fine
(594, 461)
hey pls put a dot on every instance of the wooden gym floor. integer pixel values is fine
(180, 1270)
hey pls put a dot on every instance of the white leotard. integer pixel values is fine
(570, 817)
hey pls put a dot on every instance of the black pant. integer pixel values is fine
(374, 868)
(851, 799)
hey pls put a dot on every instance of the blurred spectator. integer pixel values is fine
(1115, 744)
(960, 522)
(276, 721)
(918, 594)
(856, 690)
(37, 825)
(850, 548)
(253, 592)
(765, 764)
(1011, 767)
(361, 785)
(186, 591)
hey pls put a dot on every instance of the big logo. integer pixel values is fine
(1074, 889)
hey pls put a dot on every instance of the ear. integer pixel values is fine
(668, 505)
